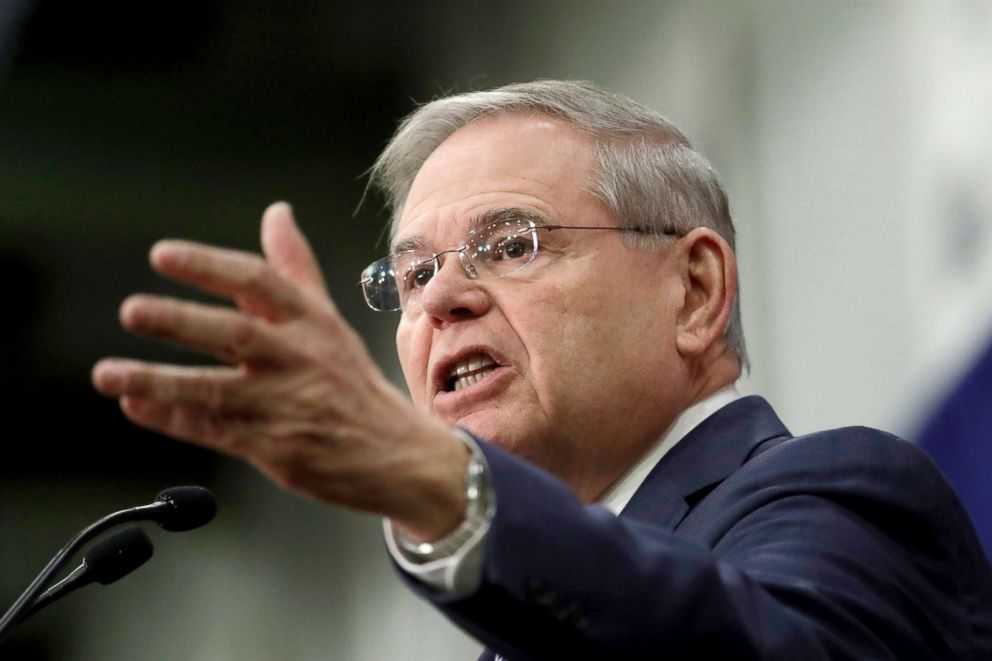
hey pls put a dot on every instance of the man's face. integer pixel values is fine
(573, 357)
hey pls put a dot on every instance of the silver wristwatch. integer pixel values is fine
(477, 512)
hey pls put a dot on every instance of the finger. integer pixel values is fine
(188, 422)
(231, 336)
(245, 278)
(211, 388)
(288, 250)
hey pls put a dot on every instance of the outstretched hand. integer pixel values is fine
(299, 396)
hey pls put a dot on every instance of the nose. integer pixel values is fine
(452, 296)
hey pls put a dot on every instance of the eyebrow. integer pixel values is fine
(503, 214)
(479, 220)
(411, 243)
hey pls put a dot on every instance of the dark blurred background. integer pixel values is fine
(852, 136)
(125, 122)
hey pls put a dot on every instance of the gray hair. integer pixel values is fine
(646, 171)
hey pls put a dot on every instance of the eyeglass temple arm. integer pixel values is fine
(639, 230)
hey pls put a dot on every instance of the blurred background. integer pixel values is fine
(853, 138)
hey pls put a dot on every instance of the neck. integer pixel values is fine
(717, 369)
(720, 370)
(592, 472)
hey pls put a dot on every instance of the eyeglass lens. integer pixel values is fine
(493, 250)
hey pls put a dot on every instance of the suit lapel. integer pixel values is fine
(701, 460)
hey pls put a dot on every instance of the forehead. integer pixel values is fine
(526, 161)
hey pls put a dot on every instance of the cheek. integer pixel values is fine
(561, 331)
(606, 332)
(413, 356)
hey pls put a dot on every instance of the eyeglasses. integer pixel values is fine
(491, 251)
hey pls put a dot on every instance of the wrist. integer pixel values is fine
(428, 495)
(475, 514)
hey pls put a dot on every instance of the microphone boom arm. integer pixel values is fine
(175, 509)
(141, 513)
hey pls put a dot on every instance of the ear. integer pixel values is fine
(710, 281)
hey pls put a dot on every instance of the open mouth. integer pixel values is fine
(468, 371)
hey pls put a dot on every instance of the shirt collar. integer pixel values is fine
(619, 494)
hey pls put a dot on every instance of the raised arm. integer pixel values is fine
(298, 395)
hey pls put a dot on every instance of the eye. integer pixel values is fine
(419, 275)
(512, 247)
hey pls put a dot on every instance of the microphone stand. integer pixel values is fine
(140, 513)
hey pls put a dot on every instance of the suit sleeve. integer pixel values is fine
(816, 549)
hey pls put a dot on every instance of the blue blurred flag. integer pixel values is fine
(958, 436)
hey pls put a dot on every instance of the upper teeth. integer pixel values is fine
(469, 371)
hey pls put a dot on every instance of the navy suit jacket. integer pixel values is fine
(743, 543)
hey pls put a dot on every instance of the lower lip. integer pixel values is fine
(456, 402)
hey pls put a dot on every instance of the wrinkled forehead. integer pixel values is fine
(530, 162)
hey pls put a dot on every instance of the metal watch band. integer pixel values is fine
(476, 512)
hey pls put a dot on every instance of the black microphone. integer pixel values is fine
(181, 508)
(175, 509)
(108, 560)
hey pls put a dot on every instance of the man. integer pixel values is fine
(563, 262)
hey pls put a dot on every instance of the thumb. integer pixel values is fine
(288, 251)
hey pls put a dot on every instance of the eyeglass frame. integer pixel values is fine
(468, 267)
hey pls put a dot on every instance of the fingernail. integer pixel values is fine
(107, 378)
(130, 312)
(165, 252)
(280, 208)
